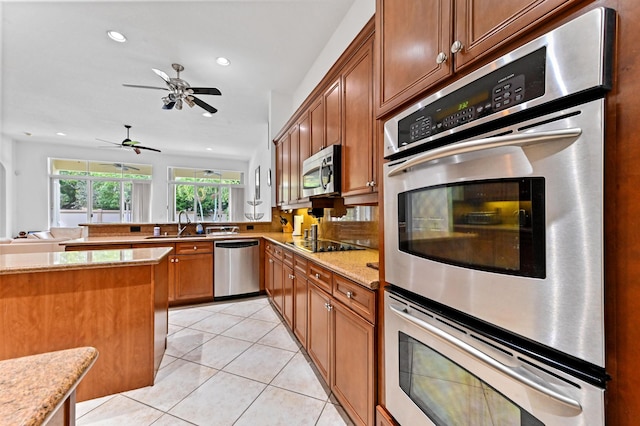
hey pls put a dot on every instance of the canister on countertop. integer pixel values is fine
(314, 232)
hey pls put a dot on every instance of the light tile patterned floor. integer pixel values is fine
(232, 363)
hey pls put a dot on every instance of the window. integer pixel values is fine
(206, 195)
(93, 192)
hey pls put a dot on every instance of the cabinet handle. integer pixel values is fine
(195, 248)
(317, 276)
(456, 46)
(291, 277)
(349, 295)
(270, 260)
(177, 260)
(373, 183)
(441, 58)
(329, 307)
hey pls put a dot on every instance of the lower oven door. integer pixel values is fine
(438, 372)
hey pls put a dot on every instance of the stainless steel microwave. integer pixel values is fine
(321, 173)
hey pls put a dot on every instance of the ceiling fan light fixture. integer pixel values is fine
(189, 102)
(222, 61)
(116, 36)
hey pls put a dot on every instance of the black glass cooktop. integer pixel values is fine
(323, 246)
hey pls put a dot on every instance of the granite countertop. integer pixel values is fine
(350, 264)
(33, 387)
(69, 260)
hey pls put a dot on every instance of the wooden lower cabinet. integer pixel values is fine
(300, 300)
(193, 275)
(353, 364)
(319, 327)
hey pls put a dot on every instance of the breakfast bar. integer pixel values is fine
(112, 300)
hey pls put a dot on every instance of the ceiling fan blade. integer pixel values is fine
(146, 147)
(162, 75)
(144, 87)
(205, 91)
(204, 105)
(112, 143)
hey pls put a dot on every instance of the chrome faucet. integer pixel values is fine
(182, 228)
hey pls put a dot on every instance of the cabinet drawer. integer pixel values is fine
(320, 276)
(287, 258)
(277, 252)
(194, 247)
(356, 297)
(300, 265)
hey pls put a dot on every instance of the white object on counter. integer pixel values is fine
(297, 225)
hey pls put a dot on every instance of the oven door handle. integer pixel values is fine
(474, 145)
(537, 385)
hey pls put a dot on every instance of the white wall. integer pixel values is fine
(355, 19)
(31, 197)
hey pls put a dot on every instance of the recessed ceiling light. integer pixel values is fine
(28, 133)
(207, 114)
(61, 134)
(116, 36)
(209, 149)
(223, 61)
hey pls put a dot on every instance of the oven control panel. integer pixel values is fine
(513, 84)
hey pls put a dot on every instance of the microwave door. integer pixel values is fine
(312, 179)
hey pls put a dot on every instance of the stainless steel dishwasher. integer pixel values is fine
(236, 268)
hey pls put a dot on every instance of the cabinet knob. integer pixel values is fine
(318, 276)
(195, 247)
(373, 183)
(441, 58)
(456, 46)
(329, 307)
(177, 260)
(349, 295)
(270, 260)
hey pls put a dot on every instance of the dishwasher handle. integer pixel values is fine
(237, 244)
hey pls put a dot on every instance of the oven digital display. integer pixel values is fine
(513, 84)
(493, 225)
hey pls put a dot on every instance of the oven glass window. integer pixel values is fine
(493, 225)
(449, 395)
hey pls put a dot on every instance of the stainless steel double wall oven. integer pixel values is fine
(494, 239)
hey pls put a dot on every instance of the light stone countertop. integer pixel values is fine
(33, 387)
(350, 264)
(84, 259)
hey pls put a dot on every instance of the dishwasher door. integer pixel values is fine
(236, 268)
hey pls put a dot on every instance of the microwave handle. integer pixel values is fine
(534, 383)
(488, 143)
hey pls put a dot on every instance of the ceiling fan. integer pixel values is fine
(128, 143)
(180, 91)
(120, 166)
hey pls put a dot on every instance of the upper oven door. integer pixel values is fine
(507, 227)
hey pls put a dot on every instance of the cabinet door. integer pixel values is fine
(300, 303)
(318, 339)
(353, 364)
(277, 285)
(358, 140)
(193, 276)
(482, 26)
(279, 171)
(268, 276)
(410, 35)
(171, 271)
(332, 115)
(286, 171)
(316, 124)
(287, 294)
(295, 164)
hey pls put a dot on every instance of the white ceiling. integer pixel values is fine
(61, 73)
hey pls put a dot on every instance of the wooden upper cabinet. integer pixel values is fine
(316, 125)
(286, 171)
(358, 143)
(419, 43)
(410, 34)
(332, 115)
(279, 171)
(482, 26)
(295, 164)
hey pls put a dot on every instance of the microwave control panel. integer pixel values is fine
(510, 85)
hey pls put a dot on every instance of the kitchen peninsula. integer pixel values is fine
(113, 300)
